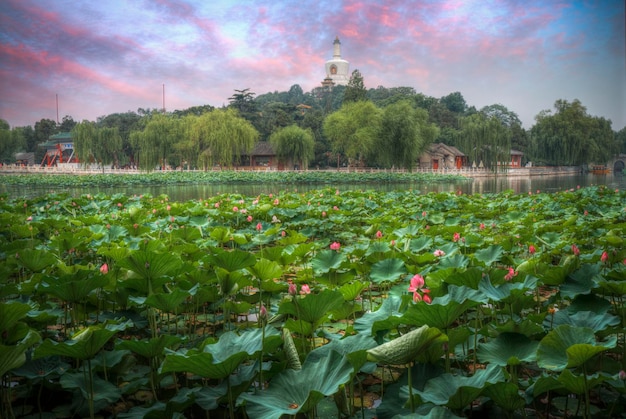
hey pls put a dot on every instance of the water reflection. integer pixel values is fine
(485, 185)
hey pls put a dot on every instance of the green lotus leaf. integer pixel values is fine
(168, 302)
(149, 348)
(313, 308)
(14, 356)
(580, 281)
(386, 317)
(420, 244)
(10, 315)
(266, 270)
(231, 261)
(249, 342)
(326, 260)
(35, 260)
(387, 270)
(151, 265)
(83, 345)
(489, 255)
(468, 278)
(43, 367)
(352, 290)
(569, 346)
(202, 363)
(406, 348)
(612, 287)
(442, 313)
(103, 391)
(291, 352)
(295, 391)
(74, 287)
(579, 384)
(377, 247)
(457, 261)
(505, 395)
(543, 384)
(457, 392)
(508, 349)
(594, 321)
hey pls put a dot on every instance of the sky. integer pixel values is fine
(104, 57)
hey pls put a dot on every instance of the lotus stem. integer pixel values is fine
(410, 383)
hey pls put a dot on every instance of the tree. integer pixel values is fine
(11, 142)
(571, 137)
(155, 142)
(223, 137)
(85, 136)
(293, 144)
(485, 140)
(355, 91)
(44, 129)
(125, 123)
(620, 138)
(404, 134)
(67, 124)
(243, 101)
(352, 130)
(454, 102)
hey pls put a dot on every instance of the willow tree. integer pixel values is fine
(353, 129)
(187, 150)
(108, 146)
(293, 144)
(404, 134)
(486, 140)
(85, 136)
(571, 137)
(156, 141)
(222, 137)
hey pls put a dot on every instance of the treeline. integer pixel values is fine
(345, 125)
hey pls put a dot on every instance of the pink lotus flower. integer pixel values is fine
(510, 275)
(417, 297)
(259, 227)
(622, 375)
(305, 290)
(293, 290)
(336, 208)
(439, 253)
(104, 269)
(276, 201)
(235, 209)
(335, 246)
(427, 298)
(249, 218)
(262, 312)
(605, 257)
(216, 205)
(456, 237)
(168, 208)
(379, 234)
(575, 250)
(323, 213)
(417, 283)
(392, 243)
(482, 226)
(531, 249)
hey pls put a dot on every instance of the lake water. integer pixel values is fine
(482, 185)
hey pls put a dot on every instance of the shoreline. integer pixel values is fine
(77, 169)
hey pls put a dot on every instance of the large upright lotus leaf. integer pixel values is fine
(457, 392)
(250, 342)
(266, 270)
(420, 244)
(14, 356)
(580, 281)
(386, 317)
(442, 313)
(611, 287)
(74, 287)
(109, 234)
(490, 255)
(168, 302)
(377, 247)
(151, 265)
(149, 348)
(410, 230)
(104, 391)
(83, 345)
(387, 270)
(201, 363)
(354, 347)
(10, 315)
(457, 261)
(313, 307)
(406, 348)
(326, 260)
(569, 346)
(294, 391)
(503, 291)
(505, 395)
(35, 260)
(231, 261)
(508, 349)
(578, 384)
(352, 290)
(595, 321)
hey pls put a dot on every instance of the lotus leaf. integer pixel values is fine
(505, 395)
(406, 348)
(294, 391)
(387, 270)
(508, 349)
(490, 255)
(326, 260)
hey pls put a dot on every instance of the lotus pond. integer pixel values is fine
(355, 304)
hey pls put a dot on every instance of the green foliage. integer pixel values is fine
(293, 144)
